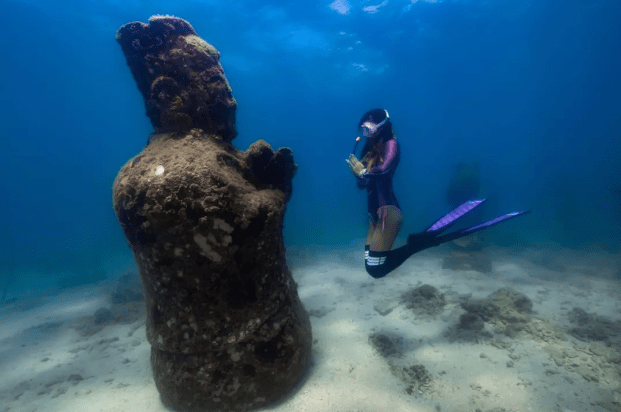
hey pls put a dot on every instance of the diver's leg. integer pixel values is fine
(380, 260)
(386, 229)
(370, 232)
(367, 241)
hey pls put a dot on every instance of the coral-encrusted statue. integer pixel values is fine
(227, 329)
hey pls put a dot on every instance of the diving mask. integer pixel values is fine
(369, 129)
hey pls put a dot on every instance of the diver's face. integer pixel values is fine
(369, 129)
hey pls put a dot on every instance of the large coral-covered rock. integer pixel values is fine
(227, 329)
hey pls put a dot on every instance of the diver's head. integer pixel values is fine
(374, 123)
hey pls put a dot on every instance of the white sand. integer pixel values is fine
(40, 351)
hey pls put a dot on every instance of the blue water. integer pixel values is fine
(529, 89)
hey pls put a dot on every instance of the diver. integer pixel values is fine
(379, 160)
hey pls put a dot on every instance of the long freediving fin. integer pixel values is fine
(453, 216)
(465, 232)
(430, 237)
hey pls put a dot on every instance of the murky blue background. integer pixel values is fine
(529, 89)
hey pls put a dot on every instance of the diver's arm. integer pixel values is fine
(391, 153)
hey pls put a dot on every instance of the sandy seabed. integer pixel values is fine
(424, 338)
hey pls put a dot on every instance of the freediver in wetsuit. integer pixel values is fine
(380, 158)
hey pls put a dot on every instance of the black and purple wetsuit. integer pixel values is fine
(378, 181)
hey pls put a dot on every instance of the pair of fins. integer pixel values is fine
(433, 235)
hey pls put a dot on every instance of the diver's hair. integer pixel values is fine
(373, 150)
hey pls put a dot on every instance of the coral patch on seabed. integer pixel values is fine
(424, 301)
(416, 378)
(507, 311)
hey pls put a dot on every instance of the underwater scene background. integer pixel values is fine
(529, 90)
(527, 93)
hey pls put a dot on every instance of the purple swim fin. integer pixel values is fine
(451, 217)
(431, 237)
(465, 232)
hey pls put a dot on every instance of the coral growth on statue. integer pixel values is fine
(204, 221)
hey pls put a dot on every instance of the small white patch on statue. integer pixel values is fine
(221, 224)
(206, 250)
(159, 170)
(212, 239)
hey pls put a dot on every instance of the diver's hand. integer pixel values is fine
(356, 167)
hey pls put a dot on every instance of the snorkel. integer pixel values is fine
(356, 145)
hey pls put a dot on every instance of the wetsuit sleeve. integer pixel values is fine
(391, 155)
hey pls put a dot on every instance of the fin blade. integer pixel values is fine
(451, 217)
(465, 232)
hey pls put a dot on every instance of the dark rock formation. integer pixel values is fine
(204, 220)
